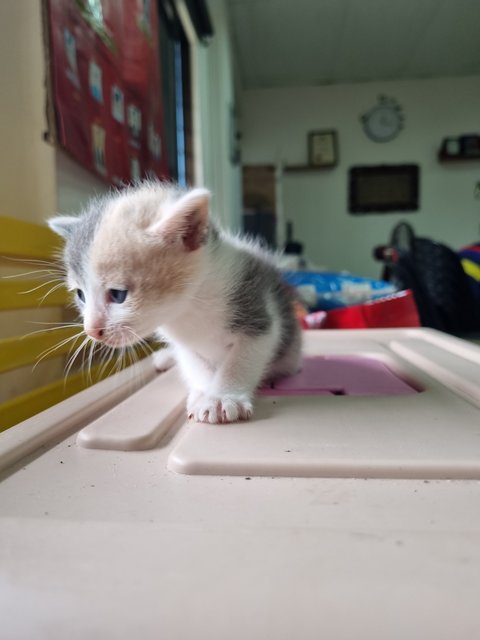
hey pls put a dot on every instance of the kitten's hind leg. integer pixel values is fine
(163, 359)
(289, 363)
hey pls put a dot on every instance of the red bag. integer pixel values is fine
(396, 310)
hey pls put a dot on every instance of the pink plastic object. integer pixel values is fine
(341, 376)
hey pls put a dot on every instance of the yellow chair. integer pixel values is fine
(33, 242)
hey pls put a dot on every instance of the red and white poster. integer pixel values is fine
(107, 87)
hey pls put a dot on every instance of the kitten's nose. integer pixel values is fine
(96, 333)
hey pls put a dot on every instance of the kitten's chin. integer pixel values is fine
(119, 344)
(121, 340)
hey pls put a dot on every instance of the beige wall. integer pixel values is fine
(275, 124)
(74, 185)
(36, 180)
(27, 163)
(214, 97)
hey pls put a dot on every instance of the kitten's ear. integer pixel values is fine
(187, 220)
(63, 225)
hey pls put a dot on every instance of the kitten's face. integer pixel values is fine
(131, 262)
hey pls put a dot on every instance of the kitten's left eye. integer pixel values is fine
(117, 295)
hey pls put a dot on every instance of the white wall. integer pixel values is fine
(275, 124)
(214, 96)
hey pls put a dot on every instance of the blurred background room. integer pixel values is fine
(319, 125)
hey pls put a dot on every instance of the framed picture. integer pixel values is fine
(322, 149)
(384, 188)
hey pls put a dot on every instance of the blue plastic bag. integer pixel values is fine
(324, 290)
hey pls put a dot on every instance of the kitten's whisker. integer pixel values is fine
(144, 350)
(34, 261)
(118, 362)
(130, 358)
(147, 350)
(104, 353)
(58, 286)
(51, 350)
(74, 357)
(90, 359)
(87, 353)
(47, 272)
(84, 367)
(72, 347)
(145, 347)
(140, 341)
(76, 354)
(106, 359)
(44, 284)
(133, 370)
(61, 343)
(121, 359)
(56, 323)
(66, 326)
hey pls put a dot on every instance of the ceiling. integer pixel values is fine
(285, 43)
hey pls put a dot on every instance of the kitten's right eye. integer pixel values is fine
(80, 295)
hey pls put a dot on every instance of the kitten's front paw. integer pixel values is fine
(163, 359)
(219, 409)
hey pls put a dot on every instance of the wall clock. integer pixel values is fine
(384, 121)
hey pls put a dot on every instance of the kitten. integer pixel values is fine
(148, 260)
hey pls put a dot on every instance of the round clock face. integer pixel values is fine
(383, 122)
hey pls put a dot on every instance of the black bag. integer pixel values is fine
(436, 277)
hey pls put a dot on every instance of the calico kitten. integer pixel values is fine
(149, 260)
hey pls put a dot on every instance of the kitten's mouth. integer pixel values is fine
(120, 338)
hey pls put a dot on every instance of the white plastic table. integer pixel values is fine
(347, 510)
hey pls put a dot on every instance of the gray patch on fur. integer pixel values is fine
(291, 334)
(78, 244)
(212, 236)
(248, 297)
(259, 283)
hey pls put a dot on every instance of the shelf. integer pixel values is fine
(306, 168)
(448, 159)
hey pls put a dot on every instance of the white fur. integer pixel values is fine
(222, 369)
(155, 237)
